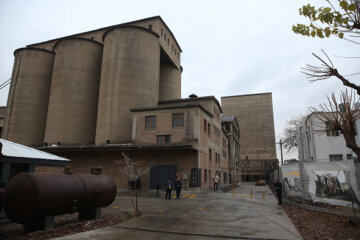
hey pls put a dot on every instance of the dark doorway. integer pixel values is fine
(163, 172)
(18, 168)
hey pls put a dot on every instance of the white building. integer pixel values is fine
(328, 170)
(316, 144)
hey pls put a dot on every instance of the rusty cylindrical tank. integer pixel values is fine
(170, 81)
(74, 92)
(28, 96)
(129, 79)
(32, 196)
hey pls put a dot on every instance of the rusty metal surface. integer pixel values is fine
(32, 196)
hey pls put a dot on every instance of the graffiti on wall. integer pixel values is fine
(292, 183)
(332, 184)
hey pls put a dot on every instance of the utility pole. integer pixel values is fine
(282, 161)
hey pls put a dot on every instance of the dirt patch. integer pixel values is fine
(318, 225)
(64, 225)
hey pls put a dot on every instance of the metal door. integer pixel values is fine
(163, 172)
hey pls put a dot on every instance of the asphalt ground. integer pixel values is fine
(250, 212)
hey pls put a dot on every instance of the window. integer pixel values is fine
(209, 154)
(349, 156)
(336, 157)
(150, 122)
(330, 131)
(178, 120)
(209, 129)
(205, 175)
(165, 36)
(168, 41)
(205, 125)
(150, 26)
(161, 32)
(163, 139)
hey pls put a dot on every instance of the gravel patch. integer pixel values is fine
(64, 225)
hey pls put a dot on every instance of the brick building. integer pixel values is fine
(180, 136)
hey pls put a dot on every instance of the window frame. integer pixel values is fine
(178, 120)
(330, 132)
(165, 139)
(151, 119)
(336, 157)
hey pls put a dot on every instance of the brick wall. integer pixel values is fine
(49, 169)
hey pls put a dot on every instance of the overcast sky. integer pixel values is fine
(230, 47)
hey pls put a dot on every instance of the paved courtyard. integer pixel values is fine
(202, 215)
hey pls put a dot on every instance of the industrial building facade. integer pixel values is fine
(98, 96)
(95, 96)
(80, 80)
(254, 114)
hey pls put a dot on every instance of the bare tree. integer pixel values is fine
(341, 116)
(289, 134)
(134, 169)
(327, 70)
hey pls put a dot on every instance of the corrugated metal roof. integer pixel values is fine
(11, 149)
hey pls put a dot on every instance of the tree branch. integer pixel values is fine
(325, 71)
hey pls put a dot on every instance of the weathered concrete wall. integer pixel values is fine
(74, 92)
(28, 96)
(168, 42)
(129, 79)
(170, 81)
(256, 122)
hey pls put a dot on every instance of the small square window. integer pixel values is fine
(349, 156)
(163, 139)
(150, 122)
(336, 157)
(330, 131)
(178, 120)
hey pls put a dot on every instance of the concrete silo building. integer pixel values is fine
(94, 96)
(255, 116)
(78, 89)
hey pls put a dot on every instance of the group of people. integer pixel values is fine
(169, 187)
(178, 185)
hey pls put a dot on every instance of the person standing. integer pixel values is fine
(278, 189)
(216, 182)
(157, 187)
(178, 186)
(168, 188)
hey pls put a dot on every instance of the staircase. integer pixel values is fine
(195, 177)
